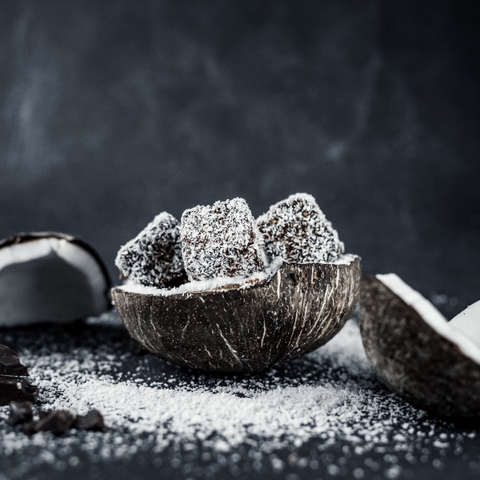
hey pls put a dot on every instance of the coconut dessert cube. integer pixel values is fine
(154, 257)
(221, 241)
(298, 231)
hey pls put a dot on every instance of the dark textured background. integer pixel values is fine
(113, 111)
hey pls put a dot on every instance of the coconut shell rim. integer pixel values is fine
(453, 342)
(244, 286)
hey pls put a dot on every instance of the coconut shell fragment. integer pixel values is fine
(415, 352)
(50, 277)
(245, 329)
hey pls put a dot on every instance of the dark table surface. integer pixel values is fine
(366, 433)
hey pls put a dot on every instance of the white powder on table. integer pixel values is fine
(331, 396)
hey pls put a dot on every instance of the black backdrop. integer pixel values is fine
(112, 111)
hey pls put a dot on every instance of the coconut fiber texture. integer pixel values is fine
(245, 330)
(412, 359)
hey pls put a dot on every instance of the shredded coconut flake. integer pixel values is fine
(324, 413)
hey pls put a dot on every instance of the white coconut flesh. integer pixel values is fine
(49, 279)
(463, 330)
(468, 322)
(224, 283)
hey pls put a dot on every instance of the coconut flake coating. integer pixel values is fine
(298, 231)
(221, 241)
(154, 257)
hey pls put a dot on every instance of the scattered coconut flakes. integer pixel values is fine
(154, 257)
(213, 423)
(221, 240)
(297, 230)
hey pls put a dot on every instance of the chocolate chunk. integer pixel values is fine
(16, 389)
(9, 362)
(93, 420)
(20, 412)
(58, 422)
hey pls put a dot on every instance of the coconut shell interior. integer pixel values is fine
(245, 330)
(413, 359)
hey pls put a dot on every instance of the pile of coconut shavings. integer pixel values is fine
(221, 240)
(330, 396)
(297, 230)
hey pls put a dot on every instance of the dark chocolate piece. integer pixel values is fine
(9, 362)
(29, 428)
(20, 412)
(16, 389)
(58, 422)
(93, 420)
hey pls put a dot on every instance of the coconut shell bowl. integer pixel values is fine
(244, 328)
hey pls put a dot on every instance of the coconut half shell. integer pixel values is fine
(245, 329)
(415, 352)
(50, 277)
